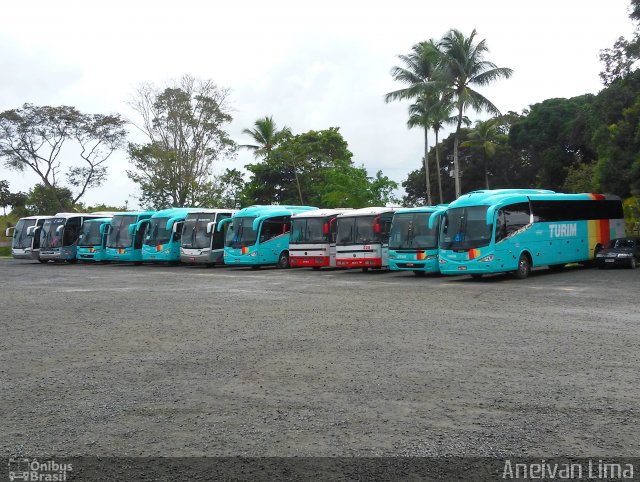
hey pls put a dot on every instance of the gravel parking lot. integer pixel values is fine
(190, 361)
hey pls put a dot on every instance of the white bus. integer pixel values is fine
(26, 237)
(59, 235)
(313, 238)
(363, 238)
(201, 242)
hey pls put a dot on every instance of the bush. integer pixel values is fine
(631, 208)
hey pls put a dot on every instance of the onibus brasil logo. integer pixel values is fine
(34, 470)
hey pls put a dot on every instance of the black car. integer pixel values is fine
(620, 252)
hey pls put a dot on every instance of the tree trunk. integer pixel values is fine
(486, 172)
(438, 167)
(426, 165)
(456, 163)
(298, 183)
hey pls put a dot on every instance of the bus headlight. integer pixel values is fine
(486, 259)
(625, 255)
(392, 256)
(255, 253)
(433, 256)
(599, 255)
(442, 261)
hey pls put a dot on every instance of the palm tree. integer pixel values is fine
(418, 73)
(486, 136)
(266, 137)
(462, 68)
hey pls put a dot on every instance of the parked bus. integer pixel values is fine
(413, 245)
(201, 242)
(313, 238)
(125, 237)
(259, 235)
(92, 241)
(162, 238)
(26, 237)
(363, 238)
(511, 230)
(59, 235)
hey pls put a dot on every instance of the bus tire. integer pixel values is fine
(255, 267)
(524, 267)
(476, 276)
(283, 260)
(43, 261)
(365, 270)
(418, 273)
(315, 268)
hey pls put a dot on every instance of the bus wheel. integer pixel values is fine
(476, 276)
(524, 267)
(418, 273)
(315, 268)
(364, 270)
(283, 260)
(255, 267)
(43, 261)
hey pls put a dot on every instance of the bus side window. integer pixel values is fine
(501, 227)
(137, 242)
(516, 216)
(218, 236)
(273, 227)
(71, 231)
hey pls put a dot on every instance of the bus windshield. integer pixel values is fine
(157, 232)
(194, 232)
(241, 233)
(357, 230)
(20, 239)
(411, 231)
(50, 236)
(309, 230)
(90, 235)
(119, 236)
(465, 228)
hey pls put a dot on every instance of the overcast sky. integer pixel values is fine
(312, 65)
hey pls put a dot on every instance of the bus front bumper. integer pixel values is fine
(359, 262)
(428, 265)
(309, 261)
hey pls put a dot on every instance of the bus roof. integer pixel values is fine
(173, 212)
(500, 196)
(134, 213)
(273, 210)
(367, 212)
(98, 220)
(212, 210)
(44, 216)
(82, 215)
(321, 213)
(420, 209)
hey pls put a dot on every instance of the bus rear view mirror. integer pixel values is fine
(7, 232)
(31, 230)
(210, 227)
(59, 229)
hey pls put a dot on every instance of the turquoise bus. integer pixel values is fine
(93, 240)
(513, 230)
(413, 245)
(201, 243)
(125, 237)
(59, 236)
(259, 236)
(26, 237)
(162, 237)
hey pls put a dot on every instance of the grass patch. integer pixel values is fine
(5, 250)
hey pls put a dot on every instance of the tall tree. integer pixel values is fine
(417, 73)
(266, 137)
(484, 137)
(185, 125)
(5, 195)
(36, 138)
(463, 67)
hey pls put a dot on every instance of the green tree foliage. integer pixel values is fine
(315, 168)
(43, 138)
(485, 138)
(185, 125)
(43, 200)
(5, 195)
(231, 185)
(265, 136)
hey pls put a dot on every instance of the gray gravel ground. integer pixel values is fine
(189, 361)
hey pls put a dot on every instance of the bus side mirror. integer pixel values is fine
(177, 227)
(104, 228)
(31, 230)
(59, 229)
(210, 227)
(7, 232)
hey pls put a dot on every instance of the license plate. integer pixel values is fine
(609, 260)
(462, 268)
(409, 265)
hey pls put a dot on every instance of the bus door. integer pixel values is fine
(217, 237)
(382, 228)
